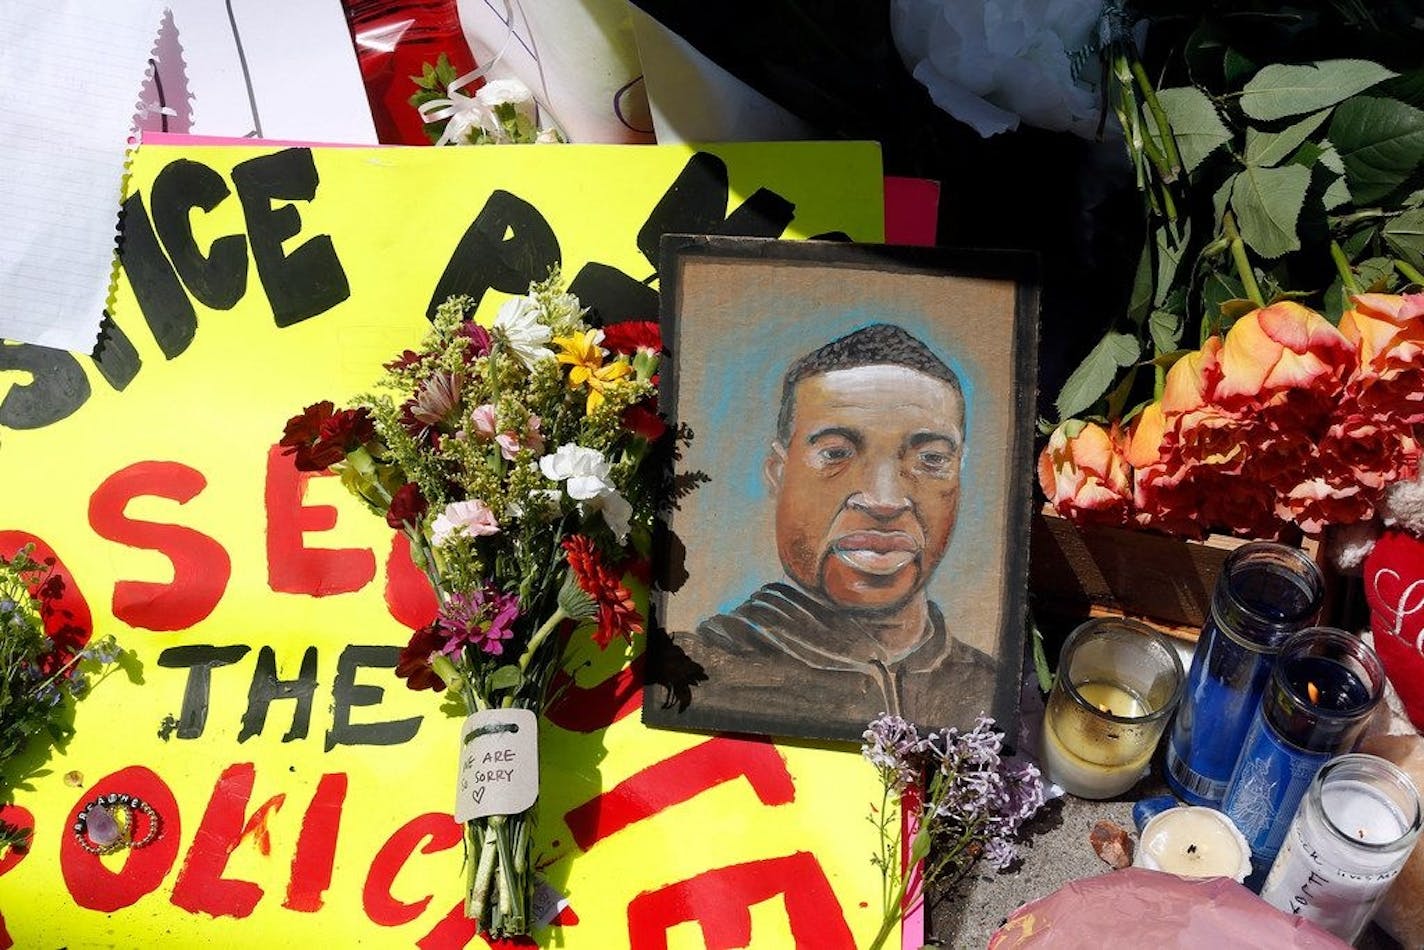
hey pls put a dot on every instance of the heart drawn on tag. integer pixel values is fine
(479, 794)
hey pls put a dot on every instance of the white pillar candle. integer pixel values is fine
(1353, 832)
(1118, 682)
(1192, 841)
(1088, 754)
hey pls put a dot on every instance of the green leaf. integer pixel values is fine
(444, 71)
(1040, 659)
(1168, 360)
(1217, 289)
(1337, 195)
(1166, 329)
(1405, 236)
(1117, 399)
(1267, 203)
(1096, 373)
(1272, 148)
(1233, 310)
(1374, 275)
(1330, 158)
(1196, 126)
(1236, 65)
(1222, 198)
(506, 677)
(1336, 300)
(1170, 248)
(1354, 244)
(1280, 90)
(1140, 303)
(1380, 141)
(1413, 200)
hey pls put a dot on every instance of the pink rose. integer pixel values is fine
(1084, 475)
(1388, 331)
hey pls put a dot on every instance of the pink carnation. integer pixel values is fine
(471, 517)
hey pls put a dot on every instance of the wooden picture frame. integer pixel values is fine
(848, 528)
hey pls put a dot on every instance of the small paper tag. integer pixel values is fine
(547, 903)
(499, 764)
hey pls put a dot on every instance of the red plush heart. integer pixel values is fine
(1394, 589)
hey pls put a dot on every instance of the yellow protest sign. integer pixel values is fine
(301, 794)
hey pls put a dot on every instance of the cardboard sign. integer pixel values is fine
(303, 791)
(499, 765)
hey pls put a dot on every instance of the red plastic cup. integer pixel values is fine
(1394, 590)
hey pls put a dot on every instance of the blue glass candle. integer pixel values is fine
(1322, 692)
(1265, 593)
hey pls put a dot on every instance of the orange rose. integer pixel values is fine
(1282, 347)
(1084, 475)
(1192, 379)
(1197, 428)
(1388, 331)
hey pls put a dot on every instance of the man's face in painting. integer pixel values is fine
(867, 483)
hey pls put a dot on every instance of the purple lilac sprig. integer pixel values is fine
(973, 804)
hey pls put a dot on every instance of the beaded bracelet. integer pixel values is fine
(115, 807)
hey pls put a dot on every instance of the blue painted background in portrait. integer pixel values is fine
(731, 398)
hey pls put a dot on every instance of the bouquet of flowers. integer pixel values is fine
(501, 112)
(516, 460)
(1269, 337)
(1285, 421)
(967, 800)
(41, 649)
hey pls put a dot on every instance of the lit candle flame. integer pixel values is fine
(1313, 691)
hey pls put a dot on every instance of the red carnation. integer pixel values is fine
(413, 665)
(630, 336)
(407, 506)
(349, 429)
(300, 436)
(644, 420)
(406, 360)
(480, 342)
(617, 616)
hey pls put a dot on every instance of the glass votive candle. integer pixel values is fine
(1355, 828)
(1264, 593)
(1325, 686)
(1193, 841)
(1118, 682)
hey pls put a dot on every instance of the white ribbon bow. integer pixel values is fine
(466, 112)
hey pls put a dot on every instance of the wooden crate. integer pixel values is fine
(1076, 572)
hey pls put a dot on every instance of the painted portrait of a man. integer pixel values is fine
(866, 461)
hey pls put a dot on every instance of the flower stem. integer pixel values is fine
(1342, 266)
(1410, 273)
(919, 848)
(1159, 119)
(479, 888)
(1243, 263)
(540, 635)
